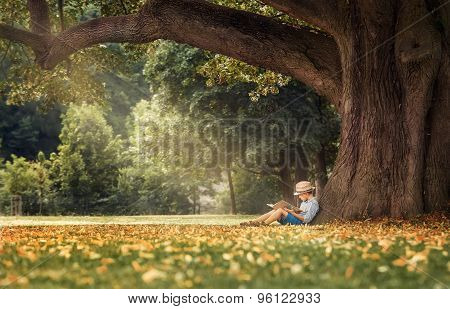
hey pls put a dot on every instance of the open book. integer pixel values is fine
(283, 204)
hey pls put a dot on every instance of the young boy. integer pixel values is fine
(308, 209)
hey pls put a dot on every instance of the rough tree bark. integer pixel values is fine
(437, 142)
(384, 65)
(391, 56)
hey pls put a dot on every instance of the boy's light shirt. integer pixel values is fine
(309, 209)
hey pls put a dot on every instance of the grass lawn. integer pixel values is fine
(206, 251)
(82, 220)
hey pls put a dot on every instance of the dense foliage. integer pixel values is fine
(170, 152)
(159, 128)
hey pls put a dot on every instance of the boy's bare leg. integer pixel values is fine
(276, 215)
(265, 216)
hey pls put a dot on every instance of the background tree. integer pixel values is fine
(27, 180)
(88, 161)
(161, 165)
(25, 130)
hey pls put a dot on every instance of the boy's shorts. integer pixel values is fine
(290, 219)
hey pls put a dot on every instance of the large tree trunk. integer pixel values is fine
(437, 143)
(388, 85)
(437, 171)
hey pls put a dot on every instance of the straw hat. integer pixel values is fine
(302, 187)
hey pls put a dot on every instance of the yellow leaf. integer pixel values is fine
(235, 268)
(106, 261)
(328, 250)
(146, 255)
(385, 244)
(97, 242)
(65, 253)
(383, 268)
(7, 263)
(136, 266)
(52, 274)
(125, 249)
(399, 262)
(420, 256)
(244, 277)
(250, 257)
(349, 272)
(370, 256)
(101, 269)
(152, 274)
(94, 255)
(296, 268)
(227, 256)
(85, 281)
(267, 257)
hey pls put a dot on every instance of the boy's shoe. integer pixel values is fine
(253, 223)
(246, 223)
(257, 223)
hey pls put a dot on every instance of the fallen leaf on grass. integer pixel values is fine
(349, 272)
(370, 256)
(152, 274)
(94, 255)
(107, 261)
(101, 269)
(399, 262)
(136, 266)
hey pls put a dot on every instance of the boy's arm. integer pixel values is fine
(296, 209)
(296, 214)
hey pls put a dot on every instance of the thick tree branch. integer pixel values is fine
(117, 29)
(320, 13)
(308, 56)
(33, 40)
(40, 20)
